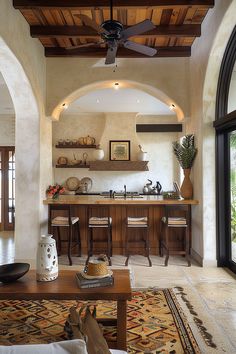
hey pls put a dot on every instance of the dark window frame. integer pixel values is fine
(224, 123)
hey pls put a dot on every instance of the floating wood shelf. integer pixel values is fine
(118, 165)
(72, 166)
(75, 146)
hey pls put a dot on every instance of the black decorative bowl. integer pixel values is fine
(13, 271)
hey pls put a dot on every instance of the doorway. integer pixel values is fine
(7, 188)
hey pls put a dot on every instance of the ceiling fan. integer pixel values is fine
(113, 34)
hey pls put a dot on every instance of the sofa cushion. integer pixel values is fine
(75, 346)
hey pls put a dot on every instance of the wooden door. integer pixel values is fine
(7, 187)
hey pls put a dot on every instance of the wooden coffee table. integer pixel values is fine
(65, 288)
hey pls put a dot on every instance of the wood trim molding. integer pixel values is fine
(158, 128)
(97, 52)
(187, 30)
(88, 4)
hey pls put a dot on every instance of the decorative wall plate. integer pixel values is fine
(72, 183)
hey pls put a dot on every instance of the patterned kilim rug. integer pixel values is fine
(156, 322)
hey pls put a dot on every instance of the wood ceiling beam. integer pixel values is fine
(187, 30)
(97, 52)
(88, 4)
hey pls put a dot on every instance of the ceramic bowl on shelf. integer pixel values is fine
(13, 271)
(62, 160)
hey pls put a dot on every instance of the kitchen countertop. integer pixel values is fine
(104, 200)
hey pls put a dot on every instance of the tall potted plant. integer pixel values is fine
(186, 153)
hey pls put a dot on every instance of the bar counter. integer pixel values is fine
(119, 209)
(103, 200)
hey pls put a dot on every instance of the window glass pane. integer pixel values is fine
(232, 92)
(232, 140)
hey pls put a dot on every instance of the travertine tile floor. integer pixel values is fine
(215, 288)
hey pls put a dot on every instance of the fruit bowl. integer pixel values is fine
(13, 271)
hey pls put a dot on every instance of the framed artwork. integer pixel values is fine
(119, 150)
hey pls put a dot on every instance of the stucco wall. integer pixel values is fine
(22, 64)
(170, 75)
(7, 129)
(207, 53)
(117, 126)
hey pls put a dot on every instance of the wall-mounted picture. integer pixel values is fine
(119, 150)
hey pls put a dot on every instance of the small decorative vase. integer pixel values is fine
(142, 156)
(47, 262)
(186, 189)
(98, 154)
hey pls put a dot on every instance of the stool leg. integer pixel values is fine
(127, 246)
(187, 246)
(111, 250)
(78, 238)
(109, 245)
(58, 241)
(161, 239)
(69, 245)
(167, 245)
(90, 244)
(148, 248)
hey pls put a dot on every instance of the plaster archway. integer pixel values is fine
(208, 140)
(27, 153)
(110, 84)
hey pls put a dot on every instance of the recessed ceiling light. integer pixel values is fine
(64, 105)
(138, 101)
(116, 85)
(172, 107)
(97, 100)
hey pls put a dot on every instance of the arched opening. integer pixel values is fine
(87, 115)
(27, 174)
(225, 126)
(110, 84)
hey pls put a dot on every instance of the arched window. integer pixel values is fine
(225, 125)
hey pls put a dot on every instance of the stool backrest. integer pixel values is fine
(59, 210)
(181, 210)
(137, 211)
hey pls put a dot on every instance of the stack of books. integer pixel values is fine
(176, 221)
(84, 283)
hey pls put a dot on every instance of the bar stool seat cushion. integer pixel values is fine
(102, 222)
(64, 221)
(174, 221)
(137, 222)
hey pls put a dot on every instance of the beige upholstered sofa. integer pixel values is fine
(75, 346)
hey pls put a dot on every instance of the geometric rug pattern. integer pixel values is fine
(155, 322)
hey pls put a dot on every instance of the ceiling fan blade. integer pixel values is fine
(89, 22)
(111, 55)
(139, 28)
(140, 48)
(84, 45)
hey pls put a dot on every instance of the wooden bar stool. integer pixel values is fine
(139, 224)
(99, 219)
(176, 218)
(65, 220)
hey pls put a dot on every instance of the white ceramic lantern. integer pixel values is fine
(47, 261)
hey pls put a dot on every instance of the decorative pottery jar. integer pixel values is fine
(47, 262)
(98, 153)
(142, 156)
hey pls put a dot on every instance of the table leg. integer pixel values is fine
(121, 324)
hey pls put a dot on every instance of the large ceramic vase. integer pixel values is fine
(47, 261)
(186, 189)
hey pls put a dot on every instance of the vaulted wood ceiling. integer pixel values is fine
(54, 23)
